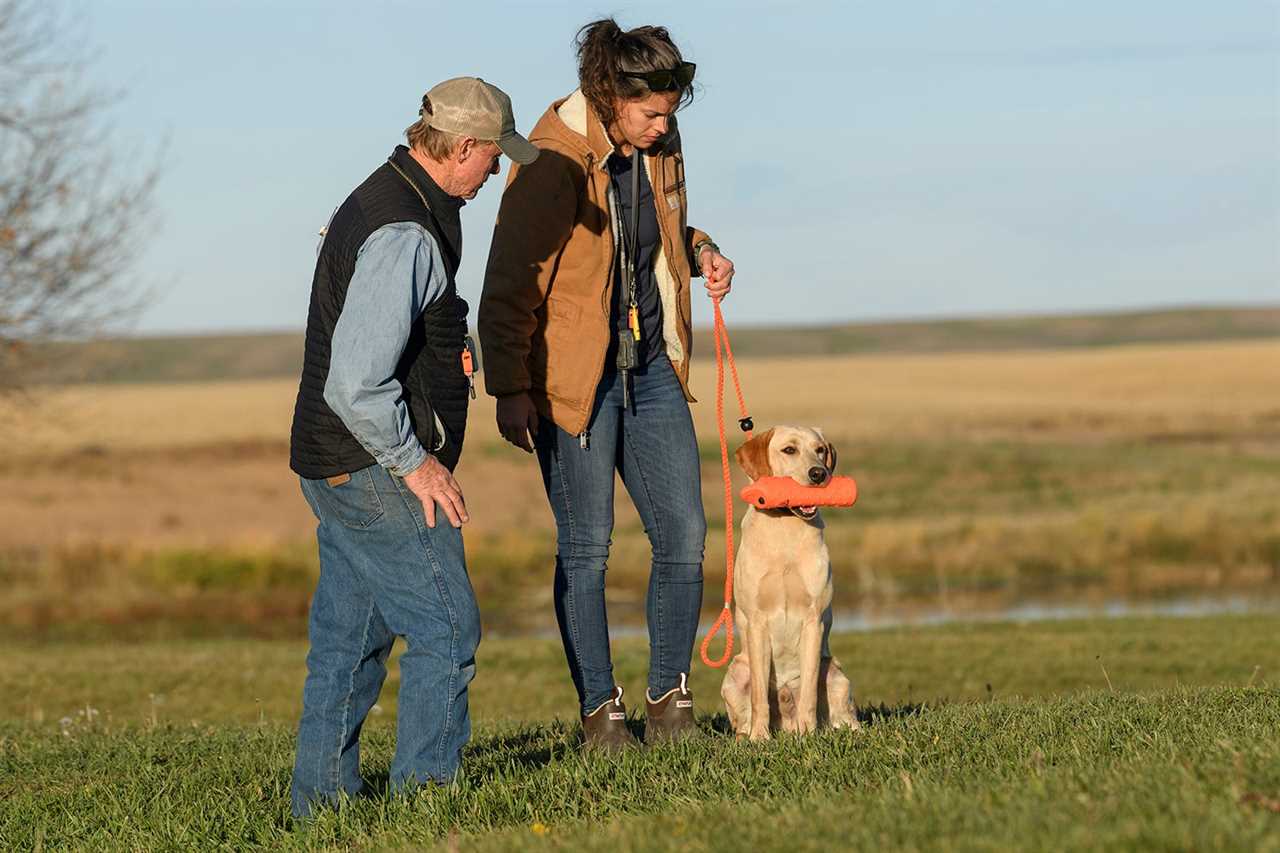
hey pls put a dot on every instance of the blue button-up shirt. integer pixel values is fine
(399, 272)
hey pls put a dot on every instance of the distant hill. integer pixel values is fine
(1052, 331)
(197, 358)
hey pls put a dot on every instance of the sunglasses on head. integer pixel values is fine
(666, 79)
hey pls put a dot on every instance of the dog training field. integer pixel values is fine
(156, 561)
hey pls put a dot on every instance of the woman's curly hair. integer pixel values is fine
(604, 50)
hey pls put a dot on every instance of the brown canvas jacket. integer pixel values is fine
(544, 312)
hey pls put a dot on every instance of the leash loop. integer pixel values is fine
(723, 354)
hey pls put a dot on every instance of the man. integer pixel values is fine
(377, 430)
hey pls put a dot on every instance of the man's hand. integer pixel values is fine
(433, 483)
(518, 420)
(717, 272)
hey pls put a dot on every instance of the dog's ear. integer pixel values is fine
(754, 456)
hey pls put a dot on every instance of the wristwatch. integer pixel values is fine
(704, 244)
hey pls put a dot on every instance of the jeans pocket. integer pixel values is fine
(354, 503)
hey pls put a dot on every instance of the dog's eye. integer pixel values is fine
(789, 450)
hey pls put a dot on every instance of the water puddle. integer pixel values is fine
(1030, 611)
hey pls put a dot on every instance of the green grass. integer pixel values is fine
(1123, 734)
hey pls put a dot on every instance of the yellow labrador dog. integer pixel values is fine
(785, 677)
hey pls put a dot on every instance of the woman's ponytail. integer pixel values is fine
(605, 49)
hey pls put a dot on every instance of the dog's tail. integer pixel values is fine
(786, 701)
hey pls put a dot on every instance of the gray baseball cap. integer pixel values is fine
(468, 106)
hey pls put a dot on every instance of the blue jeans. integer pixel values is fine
(653, 447)
(383, 574)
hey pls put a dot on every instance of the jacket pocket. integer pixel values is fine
(675, 192)
(558, 362)
(353, 503)
(561, 314)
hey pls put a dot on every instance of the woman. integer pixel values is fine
(585, 327)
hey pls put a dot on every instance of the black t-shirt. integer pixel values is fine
(648, 301)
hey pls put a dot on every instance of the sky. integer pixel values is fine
(858, 161)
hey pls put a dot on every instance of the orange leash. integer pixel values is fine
(726, 615)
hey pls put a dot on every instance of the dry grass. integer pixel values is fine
(1134, 467)
(204, 464)
(1120, 391)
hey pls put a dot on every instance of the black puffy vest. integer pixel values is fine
(430, 369)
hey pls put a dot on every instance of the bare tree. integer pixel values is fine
(73, 210)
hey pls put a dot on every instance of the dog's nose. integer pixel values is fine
(817, 475)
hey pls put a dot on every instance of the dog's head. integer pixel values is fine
(801, 453)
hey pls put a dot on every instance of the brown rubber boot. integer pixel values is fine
(670, 716)
(605, 728)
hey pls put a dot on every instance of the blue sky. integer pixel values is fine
(858, 160)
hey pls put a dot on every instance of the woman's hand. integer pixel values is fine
(518, 420)
(717, 272)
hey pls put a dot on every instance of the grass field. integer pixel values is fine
(1118, 734)
(156, 561)
(987, 479)
(201, 358)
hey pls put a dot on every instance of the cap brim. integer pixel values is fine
(519, 149)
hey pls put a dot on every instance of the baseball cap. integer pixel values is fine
(468, 106)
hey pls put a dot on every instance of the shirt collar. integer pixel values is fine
(437, 198)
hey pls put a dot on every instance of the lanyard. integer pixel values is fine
(628, 357)
(444, 239)
(631, 251)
